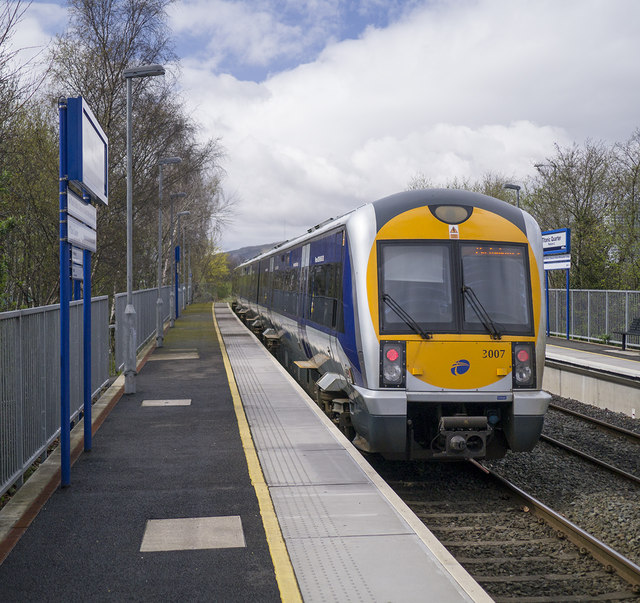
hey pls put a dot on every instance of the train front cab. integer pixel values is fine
(455, 299)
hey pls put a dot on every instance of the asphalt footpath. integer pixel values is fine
(162, 507)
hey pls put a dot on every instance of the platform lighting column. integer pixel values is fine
(182, 213)
(159, 302)
(514, 187)
(130, 312)
(173, 299)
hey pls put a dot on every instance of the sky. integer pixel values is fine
(323, 105)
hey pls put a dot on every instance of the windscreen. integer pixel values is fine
(417, 276)
(426, 281)
(499, 276)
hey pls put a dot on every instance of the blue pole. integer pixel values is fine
(86, 312)
(568, 312)
(546, 282)
(65, 294)
(177, 252)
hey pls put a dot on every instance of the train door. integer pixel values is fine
(337, 293)
(302, 300)
(304, 282)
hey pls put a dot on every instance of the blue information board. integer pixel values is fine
(87, 148)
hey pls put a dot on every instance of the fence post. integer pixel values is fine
(626, 310)
(589, 315)
(20, 400)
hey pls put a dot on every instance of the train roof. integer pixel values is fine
(387, 208)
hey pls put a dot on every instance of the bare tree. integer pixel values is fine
(106, 37)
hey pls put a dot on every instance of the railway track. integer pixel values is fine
(610, 427)
(611, 447)
(590, 458)
(517, 548)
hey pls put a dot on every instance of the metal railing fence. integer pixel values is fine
(30, 379)
(144, 301)
(594, 314)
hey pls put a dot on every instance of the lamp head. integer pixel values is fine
(168, 160)
(143, 71)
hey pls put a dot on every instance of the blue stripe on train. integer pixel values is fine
(348, 338)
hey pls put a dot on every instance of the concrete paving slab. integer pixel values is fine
(193, 533)
(186, 402)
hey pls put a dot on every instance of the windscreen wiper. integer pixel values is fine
(404, 315)
(482, 313)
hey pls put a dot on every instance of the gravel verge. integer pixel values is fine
(599, 502)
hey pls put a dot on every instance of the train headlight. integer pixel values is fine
(392, 364)
(524, 373)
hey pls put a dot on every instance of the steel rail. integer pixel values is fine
(619, 430)
(610, 558)
(592, 459)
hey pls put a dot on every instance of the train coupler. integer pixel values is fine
(465, 436)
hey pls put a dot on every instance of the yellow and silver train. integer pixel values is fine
(416, 322)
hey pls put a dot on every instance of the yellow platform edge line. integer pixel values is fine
(285, 576)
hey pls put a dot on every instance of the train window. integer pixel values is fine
(278, 282)
(291, 281)
(490, 270)
(264, 283)
(418, 278)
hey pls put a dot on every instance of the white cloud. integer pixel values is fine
(33, 33)
(243, 33)
(451, 90)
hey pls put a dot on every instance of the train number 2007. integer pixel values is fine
(493, 353)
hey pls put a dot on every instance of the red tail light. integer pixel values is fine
(392, 364)
(524, 367)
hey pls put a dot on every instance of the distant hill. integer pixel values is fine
(237, 256)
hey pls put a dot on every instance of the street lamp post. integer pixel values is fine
(173, 299)
(159, 302)
(182, 213)
(130, 312)
(514, 187)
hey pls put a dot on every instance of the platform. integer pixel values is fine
(172, 503)
(601, 375)
(348, 534)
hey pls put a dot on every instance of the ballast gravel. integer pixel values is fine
(603, 504)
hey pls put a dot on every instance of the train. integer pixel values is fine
(416, 322)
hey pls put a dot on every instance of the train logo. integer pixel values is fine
(460, 367)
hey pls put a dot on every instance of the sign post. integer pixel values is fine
(83, 179)
(556, 246)
(65, 292)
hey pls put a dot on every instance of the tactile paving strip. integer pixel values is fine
(345, 540)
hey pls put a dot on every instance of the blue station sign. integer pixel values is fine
(556, 241)
(88, 151)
